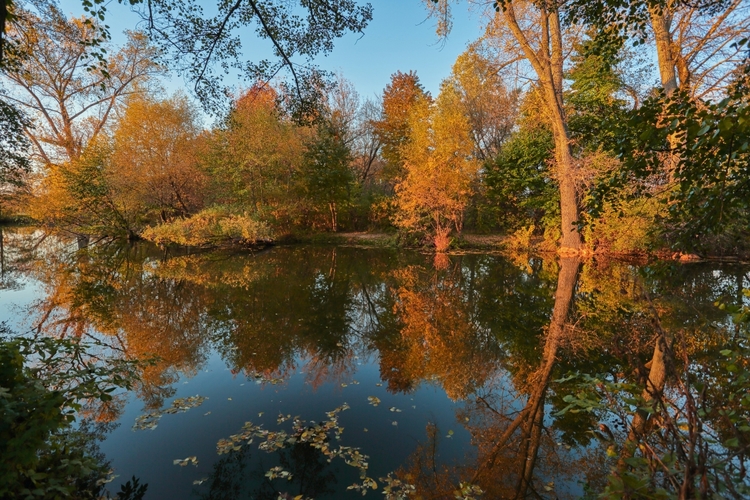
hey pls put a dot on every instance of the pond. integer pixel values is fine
(320, 371)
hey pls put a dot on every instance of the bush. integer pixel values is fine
(210, 227)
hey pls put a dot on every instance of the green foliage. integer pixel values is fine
(43, 383)
(210, 227)
(325, 169)
(698, 152)
(696, 446)
(14, 161)
(592, 104)
(518, 185)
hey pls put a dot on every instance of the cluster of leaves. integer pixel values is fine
(151, 419)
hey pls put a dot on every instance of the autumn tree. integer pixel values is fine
(154, 161)
(439, 166)
(253, 159)
(393, 129)
(70, 105)
(490, 106)
(536, 31)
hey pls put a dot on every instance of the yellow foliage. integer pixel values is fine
(209, 227)
(440, 169)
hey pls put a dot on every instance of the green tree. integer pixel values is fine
(327, 176)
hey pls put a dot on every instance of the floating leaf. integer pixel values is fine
(150, 420)
(374, 401)
(182, 462)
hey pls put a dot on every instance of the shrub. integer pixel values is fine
(210, 227)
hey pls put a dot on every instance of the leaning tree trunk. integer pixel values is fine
(547, 60)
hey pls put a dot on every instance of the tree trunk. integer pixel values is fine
(570, 241)
(661, 22)
(334, 217)
(547, 60)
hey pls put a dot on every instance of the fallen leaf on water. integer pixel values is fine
(394, 423)
(374, 401)
(393, 408)
(200, 481)
(207, 413)
(182, 462)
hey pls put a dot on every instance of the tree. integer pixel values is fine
(538, 32)
(326, 171)
(199, 44)
(154, 160)
(440, 170)
(14, 145)
(490, 106)
(68, 104)
(393, 129)
(253, 159)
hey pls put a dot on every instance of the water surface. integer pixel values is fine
(441, 370)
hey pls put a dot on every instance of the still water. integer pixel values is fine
(307, 370)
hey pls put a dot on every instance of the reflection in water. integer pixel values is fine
(498, 337)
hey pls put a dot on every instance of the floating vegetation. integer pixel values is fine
(279, 471)
(151, 420)
(317, 435)
(262, 378)
(394, 409)
(200, 481)
(468, 491)
(367, 483)
(182, 462)
(395, 489)
(374, 401)
(281, 418)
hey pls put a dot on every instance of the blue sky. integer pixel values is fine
(399, 38)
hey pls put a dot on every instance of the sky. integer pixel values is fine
(399, 38)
